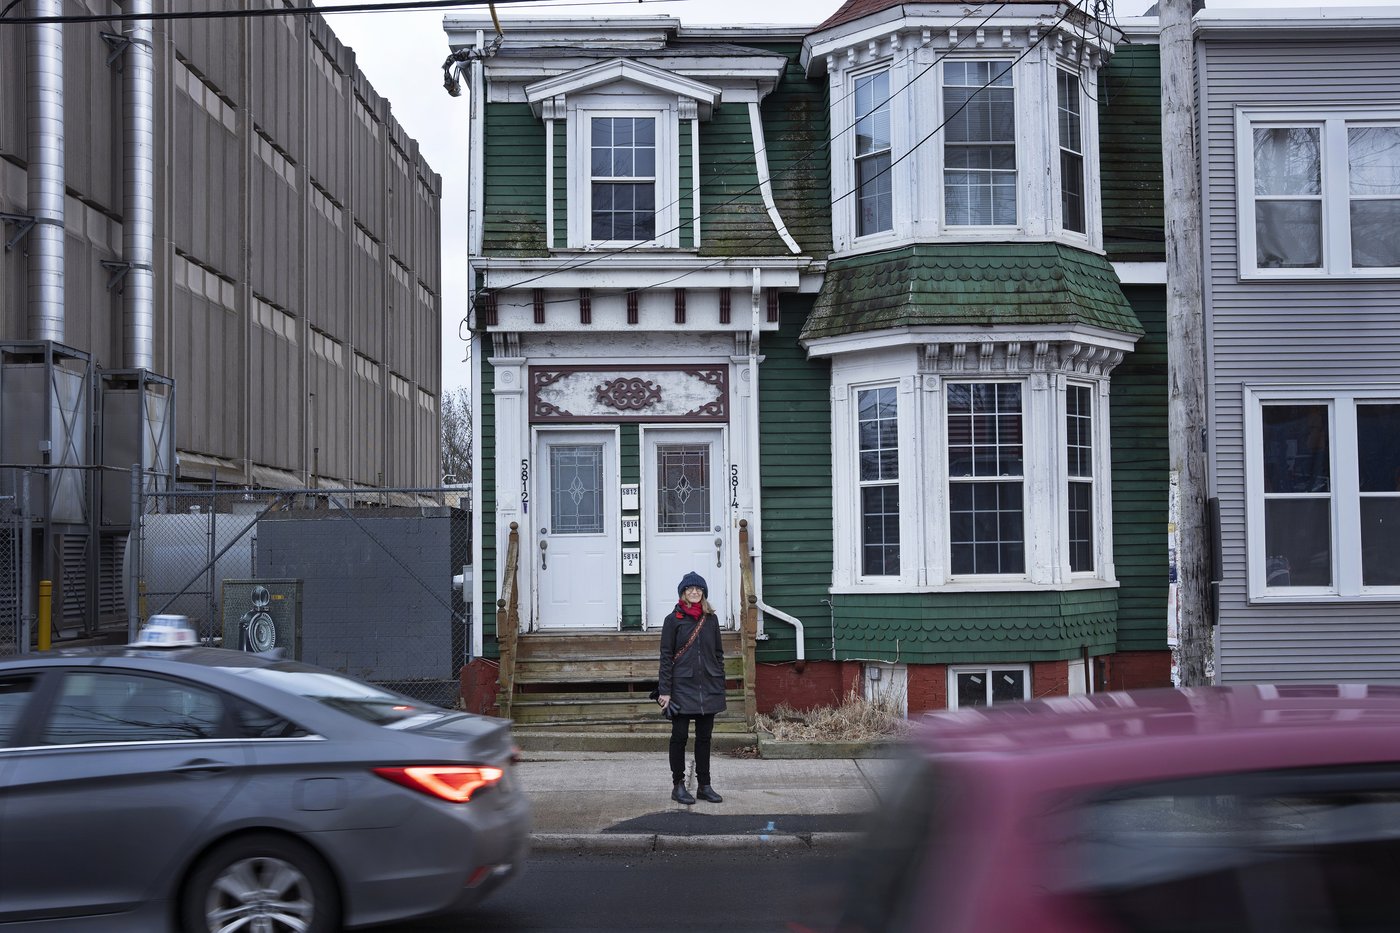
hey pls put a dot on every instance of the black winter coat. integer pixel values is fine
(695, 683)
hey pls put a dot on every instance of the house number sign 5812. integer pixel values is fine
(525, 487)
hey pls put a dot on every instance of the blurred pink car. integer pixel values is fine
(1237, 809)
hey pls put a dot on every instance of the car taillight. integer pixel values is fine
(455, 783)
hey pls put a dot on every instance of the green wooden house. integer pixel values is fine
(864, 322)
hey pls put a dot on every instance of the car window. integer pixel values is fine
(254, 722)
(361, 700)
(112, 706)
(1315, 851)
(15, 690)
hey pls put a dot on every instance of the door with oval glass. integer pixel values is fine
(684, 517)
(576, 551)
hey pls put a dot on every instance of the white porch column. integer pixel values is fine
(513, 467)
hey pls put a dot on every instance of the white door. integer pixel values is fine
(576, 549)
(684, 518)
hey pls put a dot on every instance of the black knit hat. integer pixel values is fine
(693, 579)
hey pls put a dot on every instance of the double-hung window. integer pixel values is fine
(1071, 152)
(986, 482)
(1319, 194)
(1079, 471)
(877, 437)
(623, 178)
(874, 187)
(1324, 475)
(979, 150)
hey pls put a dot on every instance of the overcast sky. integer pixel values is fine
(402, 54)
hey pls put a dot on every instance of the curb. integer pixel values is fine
(624, 843)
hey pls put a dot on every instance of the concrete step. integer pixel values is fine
(533, 740)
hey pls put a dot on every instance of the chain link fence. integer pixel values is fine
(372, 583)
(11, 576)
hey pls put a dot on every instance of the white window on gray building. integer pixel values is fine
(1070, 99)
(623, 153)
(986, 479)
(874, 185)
(877, 432)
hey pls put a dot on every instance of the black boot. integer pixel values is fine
(706, 792)
(680, 795)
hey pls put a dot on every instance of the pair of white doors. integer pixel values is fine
(577, 519)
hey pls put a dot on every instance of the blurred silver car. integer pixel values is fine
(199, 789)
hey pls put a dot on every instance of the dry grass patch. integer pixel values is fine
(855, 720)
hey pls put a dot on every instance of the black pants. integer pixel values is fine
(680, 731)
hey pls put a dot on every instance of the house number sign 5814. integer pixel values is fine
(734, 486)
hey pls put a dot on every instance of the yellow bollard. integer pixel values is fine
(45, 614)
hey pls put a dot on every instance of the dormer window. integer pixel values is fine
(979, 175)
(874, 184)
(623, 181)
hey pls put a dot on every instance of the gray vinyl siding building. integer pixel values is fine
(297, 226)
(1294, 338)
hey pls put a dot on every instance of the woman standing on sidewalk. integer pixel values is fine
(691, 683)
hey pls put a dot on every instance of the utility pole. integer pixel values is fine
(1186, 372)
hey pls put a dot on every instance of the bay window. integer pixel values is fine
(979, 150)
(986, 514)
(877, 434)
(1324, 493)
(874, 186)
(1079, 471)
(1071, 152)
(1319, 194)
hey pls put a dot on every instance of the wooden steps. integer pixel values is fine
(553, 670)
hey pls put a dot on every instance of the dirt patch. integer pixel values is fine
(856, 719)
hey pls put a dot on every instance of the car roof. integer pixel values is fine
(197, 655)
(1182, 730)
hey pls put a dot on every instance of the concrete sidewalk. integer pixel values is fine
(621, 801)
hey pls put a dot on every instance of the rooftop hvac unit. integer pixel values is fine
(262, 615)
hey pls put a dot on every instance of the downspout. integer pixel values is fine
(756, 522)
(138, 193)
(765, 185)
(44, 152)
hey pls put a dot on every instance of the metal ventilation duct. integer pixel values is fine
(46, 173)
(138, 191)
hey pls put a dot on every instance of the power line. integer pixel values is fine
(1070, 8)
(383, 6)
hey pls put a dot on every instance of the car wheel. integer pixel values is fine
(260, 884)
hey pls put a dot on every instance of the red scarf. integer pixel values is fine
(694, 610)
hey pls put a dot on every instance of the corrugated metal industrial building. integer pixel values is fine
(296, 266)
(274, 292)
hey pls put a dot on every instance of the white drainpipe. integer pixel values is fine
(138, 192)
(44, 152)
(756, 523)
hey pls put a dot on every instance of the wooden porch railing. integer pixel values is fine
(508, 621)
(748, 622)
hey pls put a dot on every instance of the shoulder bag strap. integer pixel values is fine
(689, 641)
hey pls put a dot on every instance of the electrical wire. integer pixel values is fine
(597, 257)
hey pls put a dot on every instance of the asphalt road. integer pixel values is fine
(735, 891)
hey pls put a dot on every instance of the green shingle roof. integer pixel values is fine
(993, 284)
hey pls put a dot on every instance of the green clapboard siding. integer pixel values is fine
(630, 462)
(796, 127)
(1138, 424)
(947, 628)
(513, 214)
(1130, 147)
(684, 197)
(795, 454)
(484, 475)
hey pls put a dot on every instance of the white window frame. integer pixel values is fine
(1029, 460)
(1345, 492)
(861, 484)
(580, 169)
(1018, 147)
(1335, 193)
(988, 670)
(1059, 150)
(886, 68)
(1093, 480)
